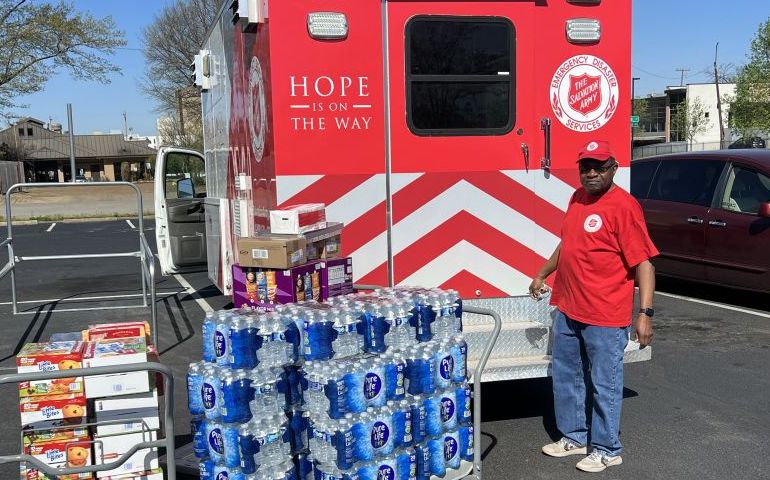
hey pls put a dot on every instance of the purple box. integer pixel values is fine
(264, 288)
(336, 277)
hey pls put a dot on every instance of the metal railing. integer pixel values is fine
(478, 372)
(166, 442)
(144, 254)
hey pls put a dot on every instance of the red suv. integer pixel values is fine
(709, 215)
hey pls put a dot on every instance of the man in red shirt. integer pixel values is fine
(604, 247)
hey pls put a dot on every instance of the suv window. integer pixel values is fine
(687, 181)
(744, 190)
(641, 176)
(460, 75)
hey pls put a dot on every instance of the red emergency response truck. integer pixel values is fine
(442, 133)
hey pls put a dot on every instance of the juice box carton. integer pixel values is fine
(118, 351)
(50, 357)
(70, 407)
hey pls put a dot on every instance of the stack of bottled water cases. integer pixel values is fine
(242, 397)
(362, 387)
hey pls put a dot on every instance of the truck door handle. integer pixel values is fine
(695, 220)
(717, 223)
(545, 126)
(525, 152)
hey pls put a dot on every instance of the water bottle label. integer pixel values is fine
(209, 396)
(446, 367)
(400, 389)
(408, 426)
(450, 448)
(222, 476)
(219, 344)
(380, 434)
(447, 409)
(386, 472)
(372, 386)
(216, 441)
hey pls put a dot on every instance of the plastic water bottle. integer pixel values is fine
(395, 374)
(448, 410)
(336, 390)
(459, 352)
(419, 419)
(382, 469)
(232, 452)
(237, 392)
(207, 337)
(452, 449)
(291, 334)
(198, 432)
(317, 333)
(454, 298)
(215, 442)
(346, 342)
(221, 343)
(267, 399)
(464, 396)
(194, 384)
(444, 366)
(426, 316)
(244, 342)
(422, 452)
(247, 441)
(211, 392)
(316, 375)
(206, 468)
(433, 425)
(437, 462)
(298, 427)
(406, 464)
(402, 423)
(354, 386)
(466, 443)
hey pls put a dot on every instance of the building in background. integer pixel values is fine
(99, 157)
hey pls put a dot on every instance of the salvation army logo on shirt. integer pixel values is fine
(593, 223)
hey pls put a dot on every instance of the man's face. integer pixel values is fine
(596, 176)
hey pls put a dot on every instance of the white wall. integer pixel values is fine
(707, 94)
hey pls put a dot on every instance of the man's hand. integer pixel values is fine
(643, 327)
(537, 288)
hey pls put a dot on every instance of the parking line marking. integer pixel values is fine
(130, 224)
(194, 294)
(100, 297)
(715, 304)
(51, 227)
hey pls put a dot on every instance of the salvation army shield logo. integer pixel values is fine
(592, 223)
(258, 109)
(584, 93)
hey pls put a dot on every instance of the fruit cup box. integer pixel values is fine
(109, 331)
(70, 453)
(119, 351)
(263, 289)
(50, 357)
(70, 407)
(109, 448)
(297, 219)
(336, 277)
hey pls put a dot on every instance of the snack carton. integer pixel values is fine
(70, 407)
(109, 331)
(49, 357)
(53, 434)
(61, 454)
(119, 351)
(297, 219)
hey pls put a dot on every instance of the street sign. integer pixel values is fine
(634, 120)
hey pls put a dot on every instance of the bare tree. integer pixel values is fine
(690, 119)
(38, 39)
(727, 73)
(170, 43)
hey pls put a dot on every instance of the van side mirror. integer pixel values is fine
(764, 210)
(185, 188)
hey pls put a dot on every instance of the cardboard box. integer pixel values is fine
(128, 422)
(70, 407)
(49, 357)
(118, 351)
(336, 277)
(297, 219)
(61, 454)
(109, 331)
(126, 403)
(43, 435)
(263, 289)
(272, 251)
(109, 448)
(58, 386)
(324, 243)
(156, 474)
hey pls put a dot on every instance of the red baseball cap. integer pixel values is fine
(596, 150)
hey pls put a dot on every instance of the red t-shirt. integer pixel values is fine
(603, 239)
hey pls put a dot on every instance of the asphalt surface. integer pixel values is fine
(699, 409)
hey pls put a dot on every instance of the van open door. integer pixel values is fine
(180, 192)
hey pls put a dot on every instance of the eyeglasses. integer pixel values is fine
(601, 170)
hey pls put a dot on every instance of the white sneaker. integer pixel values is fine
(564, 447)
(598, 461)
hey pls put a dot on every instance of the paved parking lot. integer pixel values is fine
(699, 409)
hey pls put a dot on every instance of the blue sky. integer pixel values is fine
(667, 34)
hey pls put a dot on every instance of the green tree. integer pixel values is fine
(640, 108)
(38, 39)
(170, 43)
(690, 120)
(750, 108)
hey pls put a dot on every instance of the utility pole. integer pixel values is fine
(633, 98)
(125, 126)
(719, 100)
(683, 71)
(72, 143)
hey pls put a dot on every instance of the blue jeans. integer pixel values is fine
(588, 358)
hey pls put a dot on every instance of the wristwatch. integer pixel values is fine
(647, 311)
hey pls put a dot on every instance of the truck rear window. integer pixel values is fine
(459, 75)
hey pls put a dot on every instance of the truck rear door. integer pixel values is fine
(180, 191)
(462, 121)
